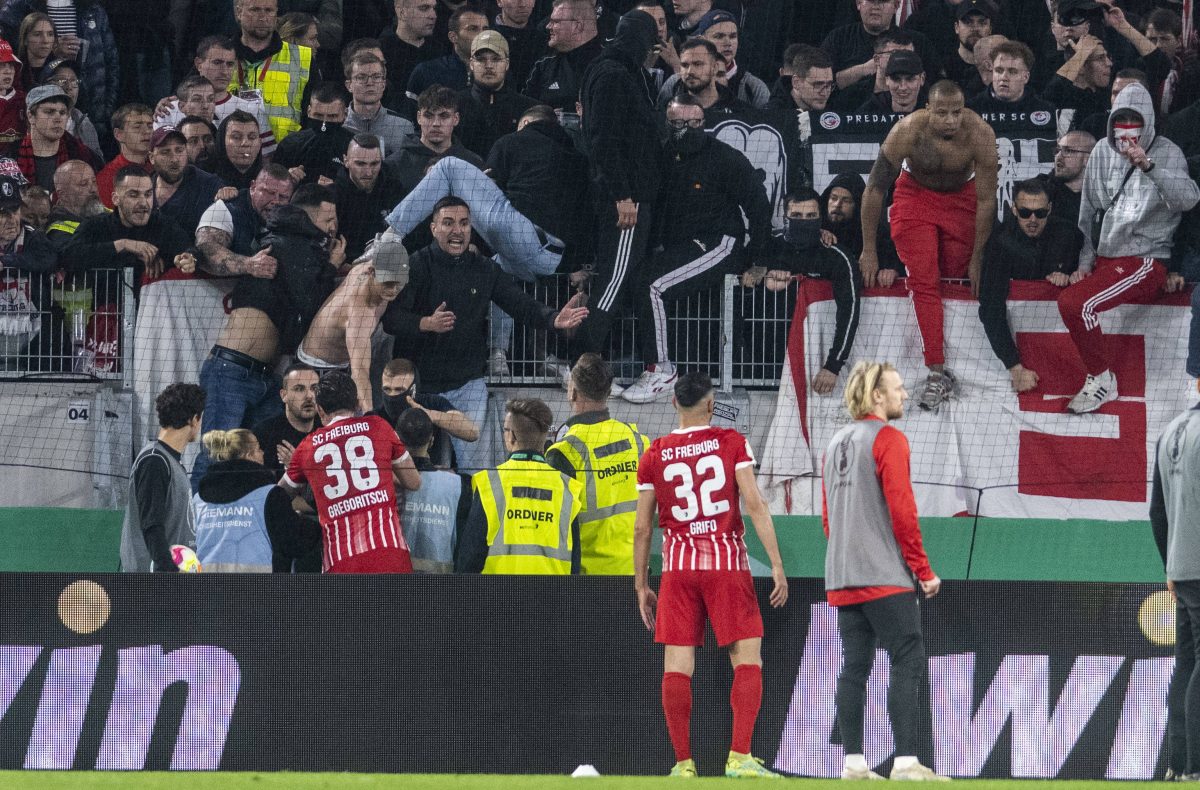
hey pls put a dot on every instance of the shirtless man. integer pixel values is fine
(942, 212)
(340, 335)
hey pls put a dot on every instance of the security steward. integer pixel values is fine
(602, 454)
(524, 513)
(270, 68)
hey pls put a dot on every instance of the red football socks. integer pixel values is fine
(677, 707)
(745, 698)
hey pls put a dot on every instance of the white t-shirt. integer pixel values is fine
(217, 216)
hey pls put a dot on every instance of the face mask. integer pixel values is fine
(395, 405)
(803, 234)
(1126, 133)
(687, 140)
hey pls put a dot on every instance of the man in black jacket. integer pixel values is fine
(317, 149)
(366, 192)
(555, 79)
(269, 317)
(1009, 104)
(621, 131)
(237, 154)
(437, 119)
(489, 108)
(1032, 244)
(708, 186)
(132, 235)
(440, 318)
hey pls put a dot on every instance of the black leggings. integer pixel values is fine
(1183, 698)
(894, 623)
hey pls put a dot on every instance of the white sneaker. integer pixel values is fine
(615, 390)
(1097, 391)
(498, 364)
(553, 366)
(917, 773)
(651, 386)
(858, 774)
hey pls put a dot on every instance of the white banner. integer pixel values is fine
(989, 451)
(178, 321)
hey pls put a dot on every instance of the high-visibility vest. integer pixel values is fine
(529, 507)
(281, 84)
(605, 457)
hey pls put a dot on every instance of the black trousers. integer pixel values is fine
(1183, 698)
(680, 269)
(894, 623)
(620, 254)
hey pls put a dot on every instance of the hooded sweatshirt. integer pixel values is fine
(849, 233)
(619, 122)
(1142, 220)
(220, 166)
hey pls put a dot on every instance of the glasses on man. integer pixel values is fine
(368, 79)
(1026, 213)
(552, 21)
(1063, 150)
(686, 123)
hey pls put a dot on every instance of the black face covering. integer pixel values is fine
(687, 140)
(636, 34)
(397, 404)
(803, 234)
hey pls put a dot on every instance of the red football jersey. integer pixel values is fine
(348, 464)
(691, 472)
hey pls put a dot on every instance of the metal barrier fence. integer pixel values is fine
(738, 334)
(66, 327)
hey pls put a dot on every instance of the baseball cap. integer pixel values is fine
(389, 256)
(1075, 12)
(164, 133)
(10, 193)
(44, 93)
(981, 7)
(7, 55)
(714, 17)
(490, 40)
(904, 61)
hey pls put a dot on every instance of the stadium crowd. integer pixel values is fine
(380, 183)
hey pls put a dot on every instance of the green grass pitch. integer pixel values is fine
(71, 780)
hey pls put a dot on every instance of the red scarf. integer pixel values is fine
(25, 158)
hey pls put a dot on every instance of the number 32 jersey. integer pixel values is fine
(692, 474)
(348, 465)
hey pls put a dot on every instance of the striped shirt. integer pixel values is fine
(62, 14)
(348, 464)
(692, 472)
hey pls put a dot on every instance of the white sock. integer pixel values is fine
(856, 762)
(904, 762)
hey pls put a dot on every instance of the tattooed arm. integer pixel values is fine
(883, 175)
(222, 262)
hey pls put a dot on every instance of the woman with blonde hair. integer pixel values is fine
(243, 519)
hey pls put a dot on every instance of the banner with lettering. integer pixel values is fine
(989, 451)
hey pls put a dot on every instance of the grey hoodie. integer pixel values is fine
(1145, 215)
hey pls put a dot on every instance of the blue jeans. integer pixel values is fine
(234, 398)
(521, 248)
(471, 400)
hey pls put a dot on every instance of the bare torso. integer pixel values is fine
(326, 338)
(937, 163)
(250, 331)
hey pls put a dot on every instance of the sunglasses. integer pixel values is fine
(1026, 213)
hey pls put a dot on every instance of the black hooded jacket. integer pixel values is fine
(292, 536)
(619, 123)
(849, 233)
(319, 152)
(302, 282)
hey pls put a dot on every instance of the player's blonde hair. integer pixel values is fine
(229, 445)
(863, 381)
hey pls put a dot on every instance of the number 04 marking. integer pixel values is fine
(685, 491)
(363, 473)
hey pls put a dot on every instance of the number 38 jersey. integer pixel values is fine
(692, 474)
(348, 465)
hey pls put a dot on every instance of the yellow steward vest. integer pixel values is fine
(281, 85)
(529, 507)
(605, 457)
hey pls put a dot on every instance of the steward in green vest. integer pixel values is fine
(602, 455)
(524, 513)
(269, 68)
